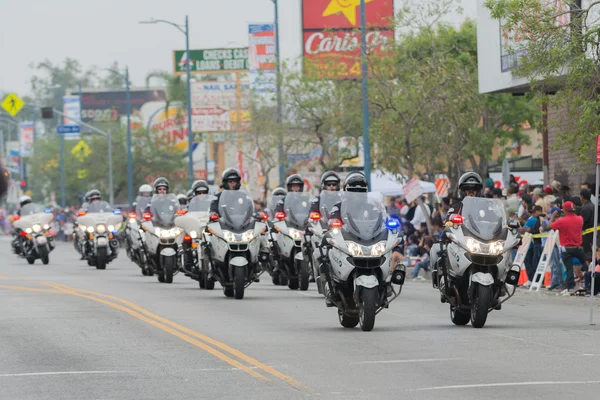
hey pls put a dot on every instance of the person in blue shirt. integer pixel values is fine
(533, 225)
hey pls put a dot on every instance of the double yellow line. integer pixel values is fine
(218, 349)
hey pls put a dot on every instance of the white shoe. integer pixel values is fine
(527, 284)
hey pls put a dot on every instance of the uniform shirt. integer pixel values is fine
(569, 230)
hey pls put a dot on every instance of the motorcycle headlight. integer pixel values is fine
(90, 229)
(354, 249)
(83, 227)
(157, 231)
(36, 228)
(228, 236)
(193, 234)
(170, 233)
(378, 249)
(46, 227)
(295, 234)
(28, 230)
(473, 245)
(496, 247)
(111, 228)
(100, 228)
(247, 236)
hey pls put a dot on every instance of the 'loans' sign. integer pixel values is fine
(211, 60)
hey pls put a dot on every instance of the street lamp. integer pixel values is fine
(129, 161)
(278, 86)
(186, 31)
(365, 94)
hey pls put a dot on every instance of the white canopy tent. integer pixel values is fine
(388, 185)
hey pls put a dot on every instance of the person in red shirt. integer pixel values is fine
(569, 230)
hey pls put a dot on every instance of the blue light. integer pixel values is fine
(115, 231)
(48, 210)
(117, 212)
(392, 223)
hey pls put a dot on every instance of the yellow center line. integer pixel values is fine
(25, 288)
(167, 329)
(250, 360)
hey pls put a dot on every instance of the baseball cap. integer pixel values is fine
(568, 206)
(537, 191)
(558, 201)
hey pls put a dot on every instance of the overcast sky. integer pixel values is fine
(98, 32)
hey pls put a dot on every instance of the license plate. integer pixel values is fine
(41, 240)
(102, 242)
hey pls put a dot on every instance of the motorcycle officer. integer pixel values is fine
(293, 183)
(231, 180)
(182, 199)
(331, 182)
(144, 191)
(199, 187)
(23, 201)
(276, 192)
(470, 184)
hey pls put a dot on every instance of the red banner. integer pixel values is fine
(345, 14)
(336, 55)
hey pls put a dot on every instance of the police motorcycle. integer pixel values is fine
(474, 274)
(192, 249)
(356, 260)
(289, 230)
(233, 243)
(269, 255)
(133, 234)
(162, 238)
(99, 223)
(33, 240)
(317, 228)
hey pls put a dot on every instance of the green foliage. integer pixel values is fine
(561, 61)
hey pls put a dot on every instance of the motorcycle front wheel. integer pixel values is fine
(101, 258)
(480, 304)
(368, 307)
(304, 272)
(168, 269)
(44, 256)
(239, 282)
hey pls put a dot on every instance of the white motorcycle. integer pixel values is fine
(99, 224)
(133, 235)
(233, 243)
(357, 260)
(269, 256)
(474, 273)
(289, 237)
(161, 237)
(318, 227)
(192, 248)
(33, 240)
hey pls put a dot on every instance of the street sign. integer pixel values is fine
(12, 104)
(81, 151)
(66, 129)
(214, 106)
(211, 60)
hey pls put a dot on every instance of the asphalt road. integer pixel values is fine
(69, 331)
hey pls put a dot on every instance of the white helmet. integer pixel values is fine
(24, 200)
(145, 188)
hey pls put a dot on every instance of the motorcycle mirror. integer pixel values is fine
(514, 224)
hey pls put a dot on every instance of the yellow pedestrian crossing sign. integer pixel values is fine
(81, 151)
(12, 104)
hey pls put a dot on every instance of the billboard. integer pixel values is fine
(345, 14)
(331, 38)
(111, 105)
(26, 139)
(214, 106)
(262, 57)
(211, 60)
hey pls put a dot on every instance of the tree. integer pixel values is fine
(326, 111)
(560, 46)
(431, 117)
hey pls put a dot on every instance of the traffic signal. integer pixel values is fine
(23, 184)
(47, 113)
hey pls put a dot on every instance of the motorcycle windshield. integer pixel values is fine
(272, 202)
(31, 208)
(164, 208)
(297, 208)
(484, 218)
(235, 209)
(363, 214)
(141, 204)
(99, 207)
(326, 202)
(201, 203)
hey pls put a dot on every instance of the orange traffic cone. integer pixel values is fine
(523, 278)
(548, 279)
